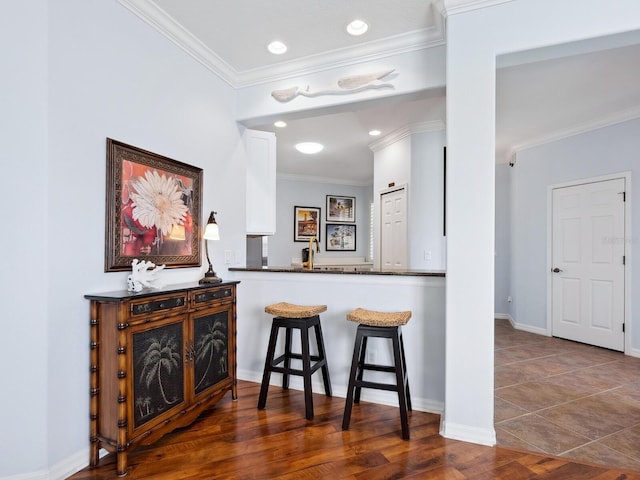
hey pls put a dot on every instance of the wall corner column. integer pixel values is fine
(469, 381)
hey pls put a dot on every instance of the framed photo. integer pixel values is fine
(341, 209)
(340, 237)
(306, 223)
(153, 209)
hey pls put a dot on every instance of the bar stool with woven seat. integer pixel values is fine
(301, 317)
(385, 325)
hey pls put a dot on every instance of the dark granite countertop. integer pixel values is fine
(343, 271)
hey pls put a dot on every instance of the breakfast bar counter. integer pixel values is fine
(343, 290)
(343, 270)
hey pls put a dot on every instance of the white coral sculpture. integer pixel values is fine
(144, 274)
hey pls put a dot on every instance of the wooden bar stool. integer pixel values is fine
(385, 325)
(289, 316)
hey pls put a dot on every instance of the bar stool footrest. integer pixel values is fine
(378, 368)
(295, 371)
(376, 385)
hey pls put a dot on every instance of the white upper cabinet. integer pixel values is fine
(261, 182)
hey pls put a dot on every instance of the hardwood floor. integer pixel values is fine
(234, 440)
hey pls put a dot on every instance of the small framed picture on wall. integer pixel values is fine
(306, 223)
(341, 209)
(341, 237)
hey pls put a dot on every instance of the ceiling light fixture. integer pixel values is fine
(277, 47)
(357, 27)
(374, 133)
(280, 124)
(309, 147)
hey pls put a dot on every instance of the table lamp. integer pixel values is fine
(211, 232)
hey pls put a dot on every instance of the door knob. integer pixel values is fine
(556, 270)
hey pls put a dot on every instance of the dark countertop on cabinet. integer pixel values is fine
(148, 292)
(343, 271)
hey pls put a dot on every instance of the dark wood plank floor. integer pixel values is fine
(234, 440)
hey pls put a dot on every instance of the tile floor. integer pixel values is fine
(566, 399)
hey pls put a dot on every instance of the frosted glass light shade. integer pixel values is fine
(211, 232)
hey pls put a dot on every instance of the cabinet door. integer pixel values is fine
(261, 182)
(212, 348)
(158, 377)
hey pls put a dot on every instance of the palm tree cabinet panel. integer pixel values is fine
(158, 359)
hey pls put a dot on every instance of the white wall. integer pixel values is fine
(415, 160)
(426, 200)
(414, 71)
(291, 193)
(88, 71)
(503, 240)
(609, 150)
(474, 39)
(24, 271)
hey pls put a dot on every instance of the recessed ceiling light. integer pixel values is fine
(375, 133)
(309, 147)
(277, 47)
(280, 124)
(357, 27)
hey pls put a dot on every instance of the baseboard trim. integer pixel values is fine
(70, 465)
(504, 316)
(530, 329)
(465, 433)
(38, 475)
(61, 470)
(634, 352)
(521, 326)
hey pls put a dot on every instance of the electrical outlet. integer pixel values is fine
(228, 257)
(509, 299)
(427, 254)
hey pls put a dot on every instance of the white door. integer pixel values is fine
(588, 231)
(393, 235)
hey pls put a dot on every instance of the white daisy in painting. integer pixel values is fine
(157, 202)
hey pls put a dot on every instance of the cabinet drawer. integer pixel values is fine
(216, 296)
(172, 304)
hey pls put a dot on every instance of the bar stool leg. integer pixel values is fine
(400, 382)
(323, 357)
(346, 419)
(266, 375)
(306, 369)
(287, 357)
(361, 362)
(404, 369)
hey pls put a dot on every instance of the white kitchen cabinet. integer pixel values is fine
(261, 182)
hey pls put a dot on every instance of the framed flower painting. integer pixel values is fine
(153, 209)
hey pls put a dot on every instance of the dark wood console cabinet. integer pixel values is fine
(159, 358)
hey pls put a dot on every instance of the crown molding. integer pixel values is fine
(336, 181)
(365, 52)
(151, 13)
(614, 119)
(452, 7)
(155, 16)
(406, 131)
